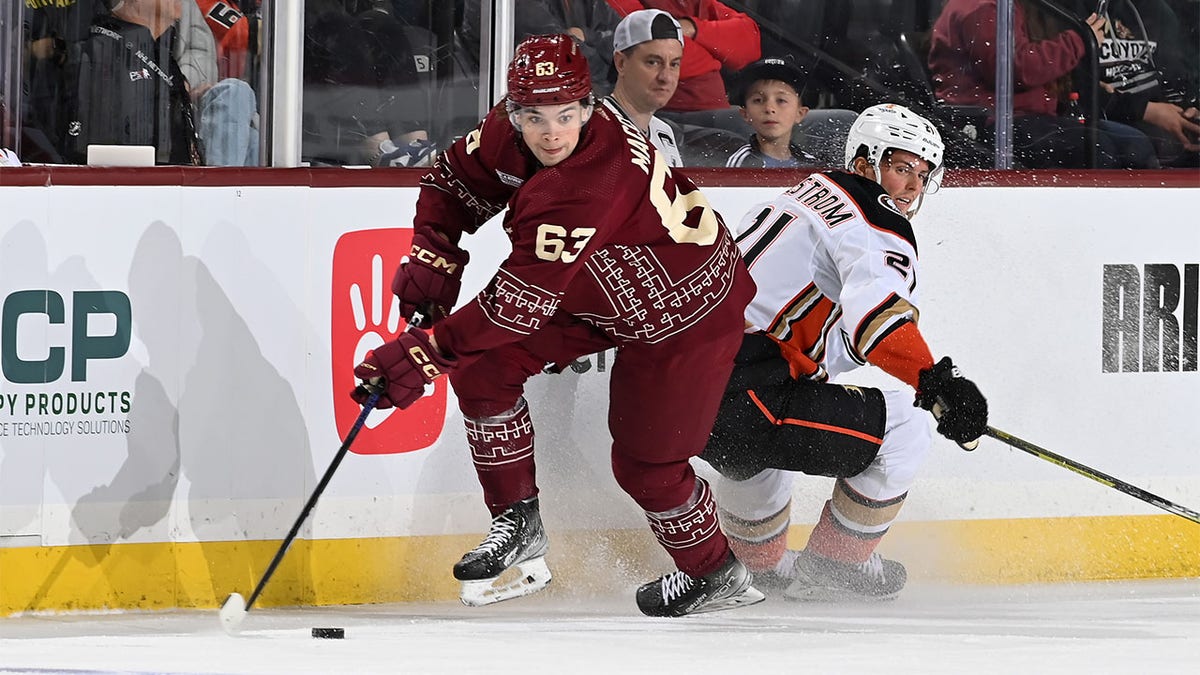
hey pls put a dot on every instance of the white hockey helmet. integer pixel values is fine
(892, 126)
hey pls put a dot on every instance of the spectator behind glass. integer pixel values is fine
(962, 61)
(715, 37)
(53, 35)
(227, 110)
(590, 22)
(647, 51)
(1147, 81)
(233, 23)
(768, 92)
(126, 87)
(364, 103)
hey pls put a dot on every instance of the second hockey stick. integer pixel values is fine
(234, 609)
(1088, 472)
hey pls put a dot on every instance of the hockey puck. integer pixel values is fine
(329, 633)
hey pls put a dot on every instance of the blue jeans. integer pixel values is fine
(1050, 142)
(228, 124)
(1131, 144)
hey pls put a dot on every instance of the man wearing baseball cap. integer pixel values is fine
(647, 51)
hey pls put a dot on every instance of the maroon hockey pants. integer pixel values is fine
(663, 399)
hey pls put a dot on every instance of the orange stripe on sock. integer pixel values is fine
(812, 425)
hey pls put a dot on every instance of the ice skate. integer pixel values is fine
(779, 577)
(816, 577)
(516, 538)
(677, 594)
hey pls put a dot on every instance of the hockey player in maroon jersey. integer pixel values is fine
(610, 249)
(835, 263)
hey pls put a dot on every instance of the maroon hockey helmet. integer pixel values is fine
(548, 70)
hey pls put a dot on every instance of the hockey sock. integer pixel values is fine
(502, 451)
(759, 544)
(691, 533)
(851, 525)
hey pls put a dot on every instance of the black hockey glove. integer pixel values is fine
(960, 409)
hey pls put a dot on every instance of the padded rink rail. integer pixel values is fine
(993, 516)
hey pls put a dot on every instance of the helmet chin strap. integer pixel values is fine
(917, 207)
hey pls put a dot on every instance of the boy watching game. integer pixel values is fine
(769, 96)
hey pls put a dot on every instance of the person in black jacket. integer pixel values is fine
(1148, 76)
(366, 100)
(128, 87)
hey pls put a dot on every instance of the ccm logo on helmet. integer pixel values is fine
(433, 260)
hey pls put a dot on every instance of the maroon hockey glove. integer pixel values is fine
(428, 282)
(960, 409)
(400, 369)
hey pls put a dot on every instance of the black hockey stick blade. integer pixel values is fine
(234, 609)
(1088, 472)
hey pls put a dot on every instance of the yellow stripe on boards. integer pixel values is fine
(377, 570)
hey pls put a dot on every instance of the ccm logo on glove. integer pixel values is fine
(419, 357)
(427, 282)
(400, 369)
(434, 260)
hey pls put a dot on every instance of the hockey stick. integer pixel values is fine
(234, 609)
(1088, 472)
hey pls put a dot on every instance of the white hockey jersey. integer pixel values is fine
(836, 268)
(662, 138)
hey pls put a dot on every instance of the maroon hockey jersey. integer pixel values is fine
(611, 235)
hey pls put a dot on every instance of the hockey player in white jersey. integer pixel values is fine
(835, 261)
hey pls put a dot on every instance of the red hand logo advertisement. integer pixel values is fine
(365, 315)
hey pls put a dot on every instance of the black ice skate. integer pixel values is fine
(516, 538)
(819, 578)
(678, 594)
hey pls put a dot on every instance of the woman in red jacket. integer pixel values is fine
(962, 60)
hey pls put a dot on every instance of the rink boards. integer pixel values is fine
(176, 359)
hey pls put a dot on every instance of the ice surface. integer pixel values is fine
(1097, 627)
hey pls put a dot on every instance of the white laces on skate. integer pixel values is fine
(503, 528)
(873, 567)
(674, 585)
(786, 566)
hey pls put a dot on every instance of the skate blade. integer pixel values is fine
(806, 593)
(750, 596)
(534, 576)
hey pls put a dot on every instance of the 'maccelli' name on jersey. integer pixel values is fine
(829, 204)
